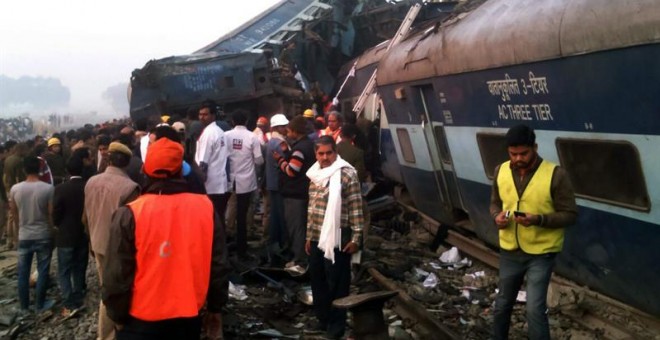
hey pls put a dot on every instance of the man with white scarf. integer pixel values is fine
(334, 231)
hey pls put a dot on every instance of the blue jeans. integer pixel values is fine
(514, 265)
(71, 268)
(44, 251)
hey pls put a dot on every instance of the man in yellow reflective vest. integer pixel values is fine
(532, 202)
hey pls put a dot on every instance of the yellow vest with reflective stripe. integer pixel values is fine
(537, 200)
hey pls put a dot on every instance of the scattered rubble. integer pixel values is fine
(455, 291)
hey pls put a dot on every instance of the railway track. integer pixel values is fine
(611, 318)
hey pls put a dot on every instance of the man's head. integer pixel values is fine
(334, 120)
(180, 129)
(278, 122)
(74, 166)
(348, 132)
(31, 165)
(296, 128)
(126, 139)
(165, 131)
(164, 159)
(239, 117)
(9, 145)
(262, 122)
(103, 145)
(54, 145)
(521, 146)
(119, 155)
(326, 151)
(84, 155)
(127, 130)
(208, 112)
(85, 136)
(319, 123)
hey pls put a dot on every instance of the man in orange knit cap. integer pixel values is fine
(170, 258)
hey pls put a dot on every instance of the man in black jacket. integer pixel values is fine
(294, 187)
(71, 239)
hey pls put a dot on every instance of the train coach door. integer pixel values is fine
(438, 147)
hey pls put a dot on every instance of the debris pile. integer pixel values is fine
(271, 303)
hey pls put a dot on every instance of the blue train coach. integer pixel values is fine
(586, 76)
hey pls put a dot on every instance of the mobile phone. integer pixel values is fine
(519, 214)
(507, 214)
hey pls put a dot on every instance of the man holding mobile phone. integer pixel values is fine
(532, 201)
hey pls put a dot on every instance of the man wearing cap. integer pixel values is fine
(169, 256)
(104, 193)
(180, 128)
(55, 160)
(309, 118)
(277, 237)
(261, 131)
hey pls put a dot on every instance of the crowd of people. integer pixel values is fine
(15, 128)
(154, 201)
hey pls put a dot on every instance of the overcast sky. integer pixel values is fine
(92, 45)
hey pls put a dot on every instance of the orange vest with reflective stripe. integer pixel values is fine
(173, 239)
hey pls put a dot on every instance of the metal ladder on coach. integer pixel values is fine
(400, 35)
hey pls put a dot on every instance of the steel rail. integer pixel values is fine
(410, 309)
(591, 320)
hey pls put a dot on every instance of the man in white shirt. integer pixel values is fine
(244, 152)
(211, 157)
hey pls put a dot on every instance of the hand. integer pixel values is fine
(528, 219)
(213, 326)
(350, 248)
(276, 156)
(501, 220)
(308, 247)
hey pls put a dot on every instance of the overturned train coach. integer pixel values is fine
(237, 70)
(584, 74)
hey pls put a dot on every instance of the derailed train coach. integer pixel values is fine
(171, 85)
(240, 69)
(586, 76)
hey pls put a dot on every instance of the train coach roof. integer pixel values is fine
(510, 32)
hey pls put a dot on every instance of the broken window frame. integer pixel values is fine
(406, 145)
(492, 145)
(606, 171)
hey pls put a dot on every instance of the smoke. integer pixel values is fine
(116, 96)
(32, 94)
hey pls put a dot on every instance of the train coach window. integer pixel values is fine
(493, 151)
(441, 139)
(406, 145)
(228, 82)
(605, 171)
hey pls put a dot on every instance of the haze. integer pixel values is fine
(94, 45)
